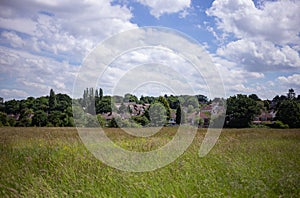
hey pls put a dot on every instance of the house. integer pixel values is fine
(265, 116)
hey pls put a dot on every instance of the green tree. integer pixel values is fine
(79, 115)
(193, 101)
(12, 107)
(2, 105)
(291, 94)
(289, 113)
(113, 123)
(52, 101)
(158, 115)
(122, 108)
(56, 118)
(41, 103)
(165, 104)
(91, 121)
(39, 119)
(3, 119)
(254, 97)
(141, 120)
(241, 111)
(179, 115)
(130, 98)
(100, 94)
(25, 118)
(101, 120)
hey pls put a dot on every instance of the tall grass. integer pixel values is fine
(53, 162)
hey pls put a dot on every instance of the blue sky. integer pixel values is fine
(254, 45)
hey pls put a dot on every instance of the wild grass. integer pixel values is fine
(53, 162)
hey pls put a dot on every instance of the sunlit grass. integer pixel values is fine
(53, 162)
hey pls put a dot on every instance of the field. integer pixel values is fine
(53, 162)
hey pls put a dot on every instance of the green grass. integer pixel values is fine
(52, 162)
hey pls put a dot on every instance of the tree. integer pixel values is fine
(165, 104)
(100, 94)
(173, 101)
(241, 111)
(179, 116)
(39, 119)
(158, 114)
(52, 101)
(101, 120)
(3, 119)
(193, 101)
(113, 123)
(12, 107)
(2, 105)
(25, 117)
(122, 108)
(130, 98)
(289, 113)
(291, 94)
(254, 97)
(141, 120)
(56, 118)
(202, 99)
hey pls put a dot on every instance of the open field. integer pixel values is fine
(52, 162)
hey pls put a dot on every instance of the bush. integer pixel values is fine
(278, 125)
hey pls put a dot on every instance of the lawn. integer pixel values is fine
(53, 162)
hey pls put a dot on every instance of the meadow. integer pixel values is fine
(53, 162)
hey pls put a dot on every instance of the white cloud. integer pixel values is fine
(65, 26)
(43, 39)
(293, 80)
(275, 21)
(35, 74)
(260, 56)
(9, 94)
(267, 36)
(159, 7)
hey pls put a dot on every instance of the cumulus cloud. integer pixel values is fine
(42, 42)
(293, 80)
(35, 75)
(158, 7)
(266, 35)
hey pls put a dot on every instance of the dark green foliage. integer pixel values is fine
(173, 101)
(178, 115)
(12, 107)
(202, 99)
(52, 101)
(147, 99)
(166, 106)
(254, 97)
(289, 113)
(104, 105)
(291, 94)
(40, 118)
(101, 120)
(100, 93)
(57, 110)
(241, 111)
(3, 119)
(25, 118)
(113, 123)
(130, 98)
(141, 120)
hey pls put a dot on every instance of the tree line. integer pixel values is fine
(55, 110)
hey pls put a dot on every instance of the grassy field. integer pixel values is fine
(52, 162)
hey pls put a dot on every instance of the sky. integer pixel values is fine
(254, 45)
